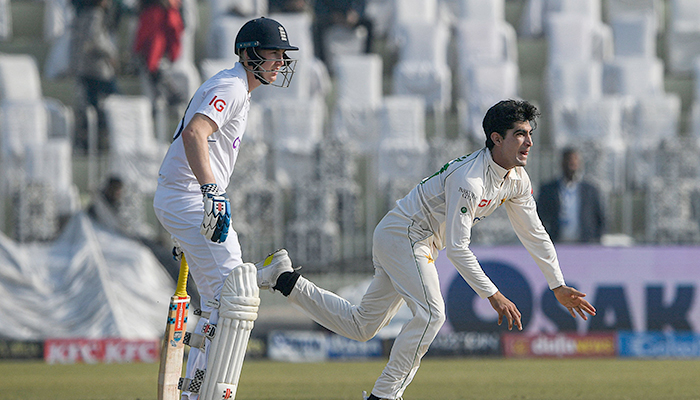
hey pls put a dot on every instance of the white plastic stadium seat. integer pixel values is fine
(402, 148)
(536, 14)
(355, 117)
(482, 43)
(656, 118)
(602, 119)
(222, 37)
(634, 35)
(249, 8)
(683, 35)
(401, 160)
(653, 8)
(341, 40)
(297, 128)
(403, 118)
(598, 120)
(670, 211)
(586, 9)
(432, 82)
(24, 123)
(481, 10)
(487, 84)
(134, 153)
(211, 66)
(573, 81)
(633, 76)
(52, 164)
(408, 13)
(130, 124)
(19, 77)
(359, 81)
(569, 38)
(422, 69)
(426, 41)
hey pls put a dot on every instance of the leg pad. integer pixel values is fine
(237, 314)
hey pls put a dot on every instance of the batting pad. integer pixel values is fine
(237, 313)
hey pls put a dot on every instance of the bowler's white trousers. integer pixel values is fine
(181, 212)
(404, 271)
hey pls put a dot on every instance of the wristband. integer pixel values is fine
(209, 188)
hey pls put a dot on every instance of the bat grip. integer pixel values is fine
(181, 289)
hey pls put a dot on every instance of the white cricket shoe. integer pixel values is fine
(272, 267)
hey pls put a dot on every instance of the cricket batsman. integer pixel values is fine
(191, 203)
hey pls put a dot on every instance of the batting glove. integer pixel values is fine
(217, 213)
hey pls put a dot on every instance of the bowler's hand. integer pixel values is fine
(507, 308)
(574, 300)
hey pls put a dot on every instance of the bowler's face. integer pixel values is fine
(512, 150)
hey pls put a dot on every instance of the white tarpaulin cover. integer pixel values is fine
(89, 283)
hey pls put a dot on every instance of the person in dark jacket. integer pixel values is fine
(94, 60)
(570, 207)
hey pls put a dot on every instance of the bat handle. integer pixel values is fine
(181, 289)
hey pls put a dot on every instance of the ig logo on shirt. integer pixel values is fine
(218, 104)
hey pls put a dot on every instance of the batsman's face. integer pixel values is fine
(513, 149)
(273, 62)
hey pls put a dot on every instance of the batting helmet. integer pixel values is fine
(265, 34)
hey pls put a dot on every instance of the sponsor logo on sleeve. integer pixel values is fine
(218, 103)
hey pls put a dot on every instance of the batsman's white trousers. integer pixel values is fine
(404, 270)
(180, 213)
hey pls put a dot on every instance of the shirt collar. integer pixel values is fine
(239, 69)
(499, 173)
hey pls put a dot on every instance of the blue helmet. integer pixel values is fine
(265, 34)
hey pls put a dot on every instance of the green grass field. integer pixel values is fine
(444, 379)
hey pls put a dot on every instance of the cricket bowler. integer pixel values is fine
(438, 214)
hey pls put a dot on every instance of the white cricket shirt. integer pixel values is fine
(465, 191)
(225, 99)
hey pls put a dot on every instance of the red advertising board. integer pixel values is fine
(562, 345)
(91, 351)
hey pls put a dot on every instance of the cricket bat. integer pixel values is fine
(172, 350)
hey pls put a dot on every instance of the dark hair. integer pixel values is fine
(501, 117)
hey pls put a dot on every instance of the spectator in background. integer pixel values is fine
(288, 6)
(94, 59)
(158, 44)
(570, 207)
(330, 13)
(105, 204)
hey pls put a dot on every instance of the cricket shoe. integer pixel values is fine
(272, 267)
